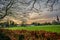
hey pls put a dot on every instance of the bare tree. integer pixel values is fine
(24, 18)
(57, 18)
(49, 3)
(6, 8)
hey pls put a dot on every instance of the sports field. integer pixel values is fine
(51, 28)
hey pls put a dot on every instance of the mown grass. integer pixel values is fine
(51, 28)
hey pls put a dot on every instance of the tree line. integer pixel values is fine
(13, 24)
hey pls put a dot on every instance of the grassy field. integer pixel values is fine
(50, 28)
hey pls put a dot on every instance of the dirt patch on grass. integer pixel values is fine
(28, 35)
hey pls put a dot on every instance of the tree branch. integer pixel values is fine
(52, 3)
(9, 5)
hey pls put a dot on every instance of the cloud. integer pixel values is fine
(19, 8)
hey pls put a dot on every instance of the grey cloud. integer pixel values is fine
(19, 7)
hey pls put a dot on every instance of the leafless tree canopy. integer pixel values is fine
(4, 10)
(49, 3)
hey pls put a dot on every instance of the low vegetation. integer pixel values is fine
(28, 35)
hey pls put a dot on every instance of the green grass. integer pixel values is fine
(51, 28)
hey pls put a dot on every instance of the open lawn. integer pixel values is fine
(51, 28)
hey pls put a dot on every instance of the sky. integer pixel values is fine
(41, 13)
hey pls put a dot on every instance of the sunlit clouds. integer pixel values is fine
(39, 13)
